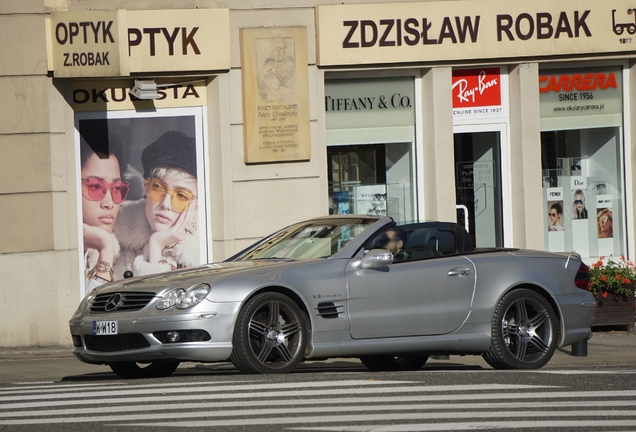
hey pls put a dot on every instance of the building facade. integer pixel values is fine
(513, 119)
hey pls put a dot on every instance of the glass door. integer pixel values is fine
(478, 183)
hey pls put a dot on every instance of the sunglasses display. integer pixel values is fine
(95, 189)
(157, 190)
(604, 219)
(578, 201)
(553, 214)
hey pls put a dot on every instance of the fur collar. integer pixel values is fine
(133, 231)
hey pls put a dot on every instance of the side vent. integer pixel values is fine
(328, 310)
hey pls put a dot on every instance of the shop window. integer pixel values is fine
(370, 179)
(584, 191)
(582, 160)
(370, 146)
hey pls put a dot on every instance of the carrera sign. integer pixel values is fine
(477, 91)
(575, 92)
(580, 82)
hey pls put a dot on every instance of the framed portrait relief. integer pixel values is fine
(275, 94)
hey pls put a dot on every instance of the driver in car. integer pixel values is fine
(394, 240)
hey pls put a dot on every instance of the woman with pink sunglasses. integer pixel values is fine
(103, 191)
(159, 232)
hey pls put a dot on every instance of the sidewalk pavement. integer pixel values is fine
(605, 350)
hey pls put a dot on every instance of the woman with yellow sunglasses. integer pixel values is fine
(157, 233)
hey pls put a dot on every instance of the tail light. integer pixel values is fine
(582, 278)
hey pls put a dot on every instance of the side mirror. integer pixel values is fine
(376, 259)
(128, 274)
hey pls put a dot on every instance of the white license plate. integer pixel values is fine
(101, 328)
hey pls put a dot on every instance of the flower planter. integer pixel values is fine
(614, 311)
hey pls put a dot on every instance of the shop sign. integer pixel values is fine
(113, 95)
(477, 92)
(88, 43)
(117, 43)
(179, 40)
(580, 92)
(362, 103)
(435, 31)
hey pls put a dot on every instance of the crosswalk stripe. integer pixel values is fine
(217, 395)
(260, 421)
(477, 426)
(330, 405)
(213, 387)
(586, 372)
(25, 389)
(333, 392)
(260, 413)
(120, 385)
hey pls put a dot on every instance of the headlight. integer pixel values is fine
(85, 303)
(184, 298)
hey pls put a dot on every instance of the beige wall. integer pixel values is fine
(39, 257)
(39, 262)
(525, 157)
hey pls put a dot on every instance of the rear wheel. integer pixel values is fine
(387, 363)
(270, 336)
(131, 370)
(525, 332)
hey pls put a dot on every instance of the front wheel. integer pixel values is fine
(525, 332)
(270, 335)
(132, 370)
(389, 363)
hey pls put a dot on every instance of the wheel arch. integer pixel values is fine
(543, 292)
(293, 295)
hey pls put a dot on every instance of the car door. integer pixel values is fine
(429, 296)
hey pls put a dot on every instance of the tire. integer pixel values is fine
(525, 332)
(389, 363)
(270, 336)
(132, 370)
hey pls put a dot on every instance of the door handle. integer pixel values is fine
(459, 272)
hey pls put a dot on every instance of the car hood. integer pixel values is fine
(193, 275)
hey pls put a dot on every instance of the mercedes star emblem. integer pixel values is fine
(113, 302)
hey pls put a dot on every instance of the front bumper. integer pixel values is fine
(217, 319)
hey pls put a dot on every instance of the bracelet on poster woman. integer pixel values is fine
(101, 267)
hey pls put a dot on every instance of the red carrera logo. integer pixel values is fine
(580, 82)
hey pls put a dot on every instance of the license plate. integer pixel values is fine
(101, 328)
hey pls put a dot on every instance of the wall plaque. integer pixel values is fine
(275, 94)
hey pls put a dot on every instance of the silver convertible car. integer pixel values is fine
(342, 286)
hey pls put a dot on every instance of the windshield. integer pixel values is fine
(307, 240)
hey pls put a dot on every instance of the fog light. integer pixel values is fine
(173, 336)
(181, 336)
(77, 341)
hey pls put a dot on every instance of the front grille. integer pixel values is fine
(128, 301)
(123, 342)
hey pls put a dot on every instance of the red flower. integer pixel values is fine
(622, 257)
(604, 295)
(629, 263)
(603, 278)
(618, 277)
(627, 281)
(599, 264)
(602, 257)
